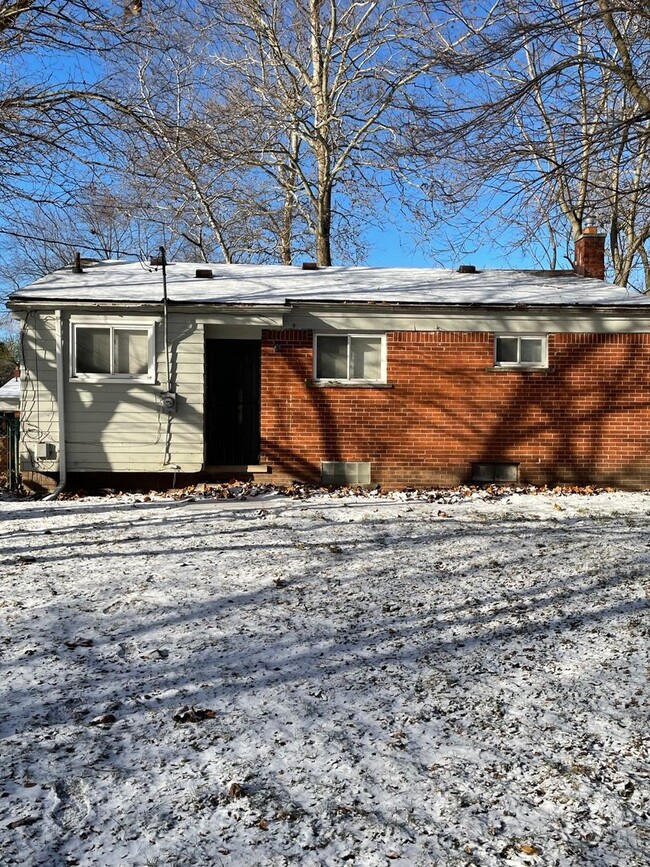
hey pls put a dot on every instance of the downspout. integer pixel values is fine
(60, 392)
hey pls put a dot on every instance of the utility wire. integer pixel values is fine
(53, 241)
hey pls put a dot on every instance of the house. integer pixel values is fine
(390, 376)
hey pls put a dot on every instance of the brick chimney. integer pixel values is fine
(590, 252)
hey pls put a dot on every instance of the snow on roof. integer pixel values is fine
(113, 281)
(10, 394)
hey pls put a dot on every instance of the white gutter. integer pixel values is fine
(60, 395)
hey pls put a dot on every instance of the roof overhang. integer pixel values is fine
(316, 305)
(442, 307)
(192, 307)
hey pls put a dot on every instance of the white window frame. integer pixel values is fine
(538, 365)
(113, 324)
(349, 334)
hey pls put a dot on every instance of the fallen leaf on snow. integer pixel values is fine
(79, 642)
(23, 822)
(528, 850)
(158, 653)
(235, 792)
(188, 714)
(106, 719)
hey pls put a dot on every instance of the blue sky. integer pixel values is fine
(390, 247)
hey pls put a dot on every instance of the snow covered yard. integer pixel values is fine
(325, 682)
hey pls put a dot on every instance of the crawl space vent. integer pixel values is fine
(345, 472)
(495, 472)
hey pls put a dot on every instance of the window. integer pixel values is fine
(525, 351)
(350, 357)
(121, 351)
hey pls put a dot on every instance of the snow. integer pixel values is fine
(113, 281)
(10, 393)
(458, 680)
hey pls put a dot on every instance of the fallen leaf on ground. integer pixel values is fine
(23, 822)
(188, 714)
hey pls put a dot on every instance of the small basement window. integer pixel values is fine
(345, 472)
(495, 472)
(350, 357)
(520, 351)
(107, 350)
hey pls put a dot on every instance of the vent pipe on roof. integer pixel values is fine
(76, 266)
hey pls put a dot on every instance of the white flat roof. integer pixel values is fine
(115, 281)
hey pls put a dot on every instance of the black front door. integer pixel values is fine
(232, 402)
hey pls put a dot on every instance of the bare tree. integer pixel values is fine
(553, 125)
(269, 122)
(333, 80)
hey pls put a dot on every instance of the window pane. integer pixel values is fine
(365, 357)
(93, 350)
(507, 349)
(131, 351)
(332, 358)
(531, 350)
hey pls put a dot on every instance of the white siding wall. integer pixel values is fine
(39, 408)
(119, 426)
(116, 425)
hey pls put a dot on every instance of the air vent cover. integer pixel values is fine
(502, 472)
(204, 273)
(345, 472)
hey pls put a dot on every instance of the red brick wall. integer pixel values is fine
(585, 419)
(590, 255)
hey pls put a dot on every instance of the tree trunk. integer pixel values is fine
(289, 179)
(322, 151)
(324, 222)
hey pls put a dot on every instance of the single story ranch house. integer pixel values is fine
(391, 376)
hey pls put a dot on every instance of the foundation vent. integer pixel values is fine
(345, 472)
(486, 473)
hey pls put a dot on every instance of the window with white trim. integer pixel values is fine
(526, 350)
(103, 349)
(350, 357)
